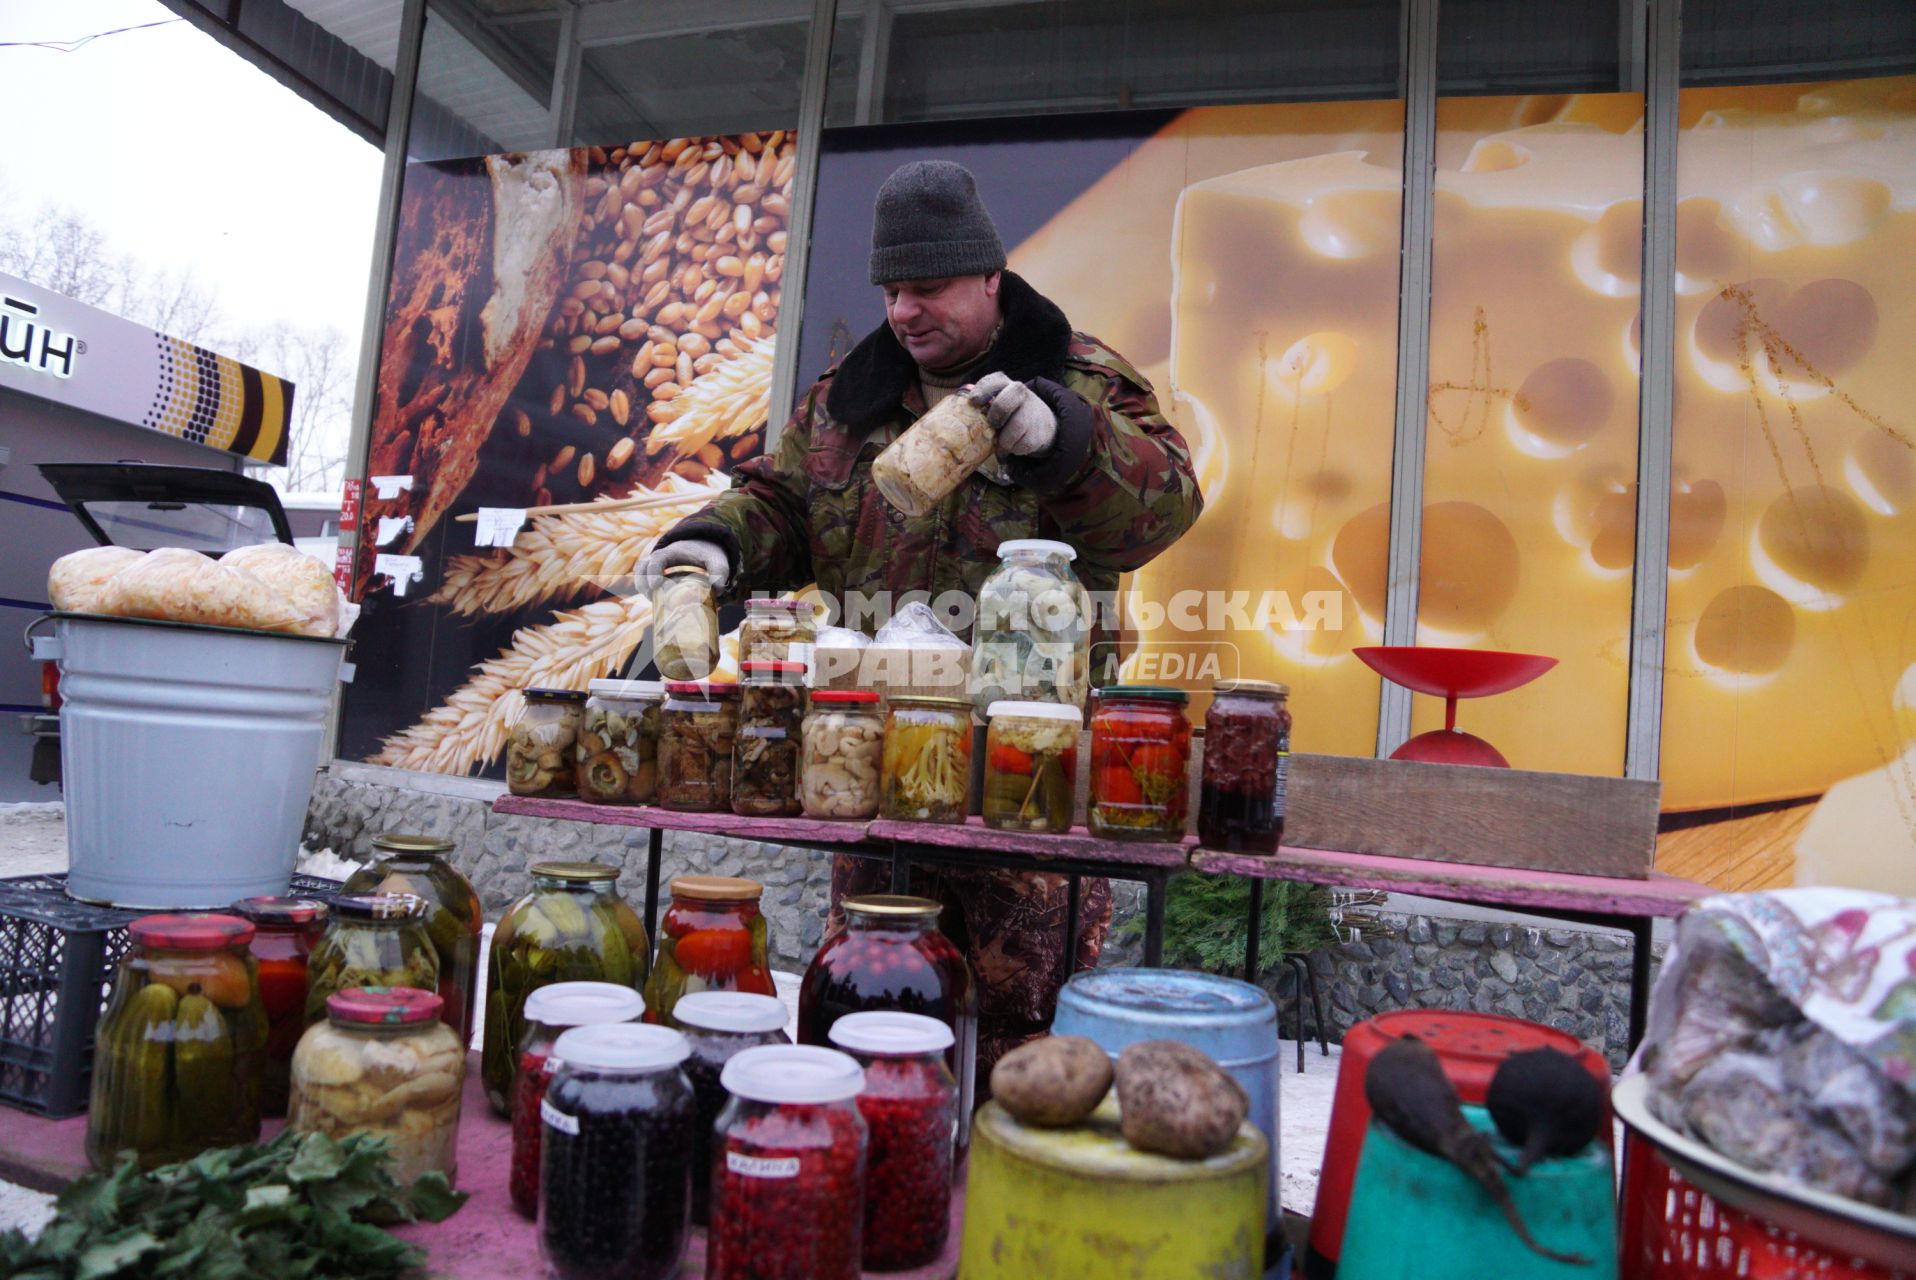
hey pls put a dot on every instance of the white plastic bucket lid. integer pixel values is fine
(634, 690)
(583, 1004)
(1044, 546)
(793, 1073)
(1034, 710)
(622, 1046)
(739, 1011)
(891, 1034)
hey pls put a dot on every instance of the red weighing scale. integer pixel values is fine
(1451, 674)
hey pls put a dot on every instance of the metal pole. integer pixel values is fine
(1154, 889)
(1071, 890)
(1255, 938)
(654, 855)
(563, 101)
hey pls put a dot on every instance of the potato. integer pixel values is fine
(1053, 1082)
(1177, 1102)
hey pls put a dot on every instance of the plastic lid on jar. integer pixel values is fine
(892, 904)
(829, 696)
(554, 695)
(928, 700)
(1251, 689)
(379, 906)
(634, 690)
(701, 688)
(191, 931)
(1146, 692)
(622, 1046)
(398, 843)
(384, 1006)
(792, 1073)
(717, 888)
(889, 1033)
(1034, 710)
(772, 604)
(281, 911)
(684, 570)
(738, 1011)
(1038, 546)
(583, 1004)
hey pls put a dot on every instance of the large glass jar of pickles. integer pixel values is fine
(549, 1013)
(719, 1025)
(765, 754)
(788, 1178)
(1247, 750)
(926, 773)
(1033, 635)
(618, 753)
(176, 1062)
(685, 628)
(844, 750)
(541, 742)
(697, 729)
(1140, 751)
(372, 940)
(285, 931)
(1031, 766)
(777, 631)
(419, 865)
(713, 938)
(384, 1063)
(572, 927)
(616, 1174)
(890, 955)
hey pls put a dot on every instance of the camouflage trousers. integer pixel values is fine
(1010, 927)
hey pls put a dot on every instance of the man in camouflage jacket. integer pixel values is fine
(1083, 457)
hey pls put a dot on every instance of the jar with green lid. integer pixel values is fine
(926, 771)
(777, 631)
(618, 753)
(1033, 635)
(1031, 766)
(1140, 754)
(572, 927)
(765, 754)
(698, 726)
(422, 866)
(371, 940)
(541, 742)
(685, 626)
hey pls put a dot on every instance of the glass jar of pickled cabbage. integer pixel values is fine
(698, 727)
(926, 771)
(1032, 639)
(777, 631)
(618, 753)
(844, 750)
(1140, 754)
(1031, 766)
(934, 455)
(685, 627)
(541, 742)
(765, 752)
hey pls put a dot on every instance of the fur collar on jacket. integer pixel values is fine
(870, 382)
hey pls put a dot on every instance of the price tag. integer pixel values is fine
(343, 568)
(388, 487)
(403, 570)
(557, 1119)
(349, 504)
(391, 527)
(761, 1166)
(498, 526)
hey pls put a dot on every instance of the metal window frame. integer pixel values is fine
(798, 227)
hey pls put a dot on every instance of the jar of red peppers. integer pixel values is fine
(712, 938)
(788, 1176)
(422, 867)
(719, 1025)
(765, 753)
(910, 1105)
(284, 931)
(1247, 751)
(1140, 750)
(549, 1012)
(891, 956)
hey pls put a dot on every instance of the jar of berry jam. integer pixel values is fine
(1247, 751)
(284, 932)
(788, 1175)
(890, 955)
(713, 938)
(1140, 750)
(549, 1013)
(719, 1025)
(615, 1176)
(910, 1105)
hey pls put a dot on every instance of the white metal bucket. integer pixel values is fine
(187, 755)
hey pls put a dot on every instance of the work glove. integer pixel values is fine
(1025, 424)
(709, 556)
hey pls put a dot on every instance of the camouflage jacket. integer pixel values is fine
(1117, 484)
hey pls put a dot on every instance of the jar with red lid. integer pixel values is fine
(777, 631)
(284, 933)
(891, 956)
(1140, 751)
(713, 938)
(1247, 751)
(910, 1105)
(719, 1025)
(422, 866)
(788, 1169)
(765, 752)
(697, 728)
(844, 736)
(385, 1064)
(177, 1058)
(550, 1012)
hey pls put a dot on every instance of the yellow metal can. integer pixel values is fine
(1084, 1202)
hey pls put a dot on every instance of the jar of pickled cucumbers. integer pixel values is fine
(926, 770)
(685, 628)
(1032, 639)
(1031, 766)
(572, 927)
(713, 938)
(934, 455)
(1140, 751)
(371, 940)
(422, 866)
(765, 752)
(697, 729)
(178, 1054)
(285, 931)
(618, 752)
(777, 631)
(541, 743)
(844, 737)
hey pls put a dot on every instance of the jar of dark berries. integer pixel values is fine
(910, 1105)
(719, 1025)
(549, 1013)
(788, 1175)
(1247, 749)
(890, 955)
(615, 1176)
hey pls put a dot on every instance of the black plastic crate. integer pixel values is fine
(58, 958)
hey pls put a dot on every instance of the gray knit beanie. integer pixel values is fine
(929, 224)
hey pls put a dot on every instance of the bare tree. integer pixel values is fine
(321, 365)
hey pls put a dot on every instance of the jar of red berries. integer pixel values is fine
(910, 1105)
(719, 1025)
(788, 1174)
(549, 1012)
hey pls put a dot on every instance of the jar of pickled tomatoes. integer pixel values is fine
(1140, 753)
